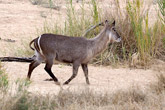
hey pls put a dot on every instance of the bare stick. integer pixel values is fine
(16, 59)
(92, 27)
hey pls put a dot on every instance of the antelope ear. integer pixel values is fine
(106, 22)
(113, 23)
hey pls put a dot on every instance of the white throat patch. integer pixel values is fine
(110, 36)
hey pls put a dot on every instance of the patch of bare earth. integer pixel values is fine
(19, 20)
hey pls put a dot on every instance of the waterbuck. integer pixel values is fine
(75, 50)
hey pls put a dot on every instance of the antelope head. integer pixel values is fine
(111, 32)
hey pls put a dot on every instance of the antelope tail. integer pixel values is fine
(36, 45)
(31, 44)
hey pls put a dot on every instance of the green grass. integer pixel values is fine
(3, 79)
(161, 4)
(143, 39)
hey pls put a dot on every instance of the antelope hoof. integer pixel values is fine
(57, 83)
(28, 79)
(66, 83)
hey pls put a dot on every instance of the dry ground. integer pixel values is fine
(102, 79)
(19, 20)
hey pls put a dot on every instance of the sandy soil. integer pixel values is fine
(102, 79)
(20, 19)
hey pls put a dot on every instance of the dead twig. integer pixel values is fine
(16, 59)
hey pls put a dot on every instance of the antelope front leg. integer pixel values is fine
(75, 70)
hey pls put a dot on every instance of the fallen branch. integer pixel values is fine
(16, 59)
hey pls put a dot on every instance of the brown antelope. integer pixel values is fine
(75, 50)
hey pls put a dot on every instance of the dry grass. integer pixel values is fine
(133, 99)
(17, 97)
(3, 79)
(159, 86)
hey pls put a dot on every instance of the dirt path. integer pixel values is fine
(101, 78)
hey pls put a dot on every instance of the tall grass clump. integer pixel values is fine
(75, 23)
(95, 12)
(138, 37)
(161, 4)
(141, 32)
